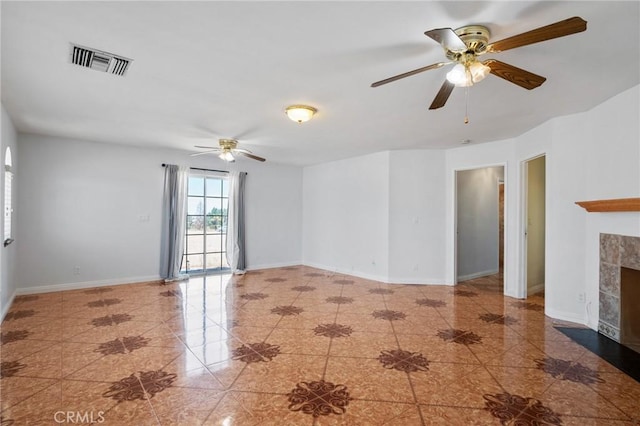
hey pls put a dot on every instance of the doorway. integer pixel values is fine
(535, 224)
(480, 227)
(206, 223)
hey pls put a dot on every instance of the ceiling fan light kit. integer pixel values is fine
(227, 156)
(300, 113)
(464, 45)
(465, 75)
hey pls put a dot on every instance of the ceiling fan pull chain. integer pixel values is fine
(466, 105)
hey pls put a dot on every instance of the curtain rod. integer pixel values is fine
(205, 170)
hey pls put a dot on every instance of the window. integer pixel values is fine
(8, 205)
(206, 239)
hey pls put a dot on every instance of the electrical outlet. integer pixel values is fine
(582, 298)
(76, 270)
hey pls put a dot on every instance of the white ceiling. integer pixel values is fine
(208, 70)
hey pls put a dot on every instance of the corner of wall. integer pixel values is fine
(8, 254)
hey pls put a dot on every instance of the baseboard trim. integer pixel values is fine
(535, 289)
(345, 272)
(477, 275)
(273, 265)
(85, 284)
(386, 280)
(566, 316)
(412, 281)
(6, 308)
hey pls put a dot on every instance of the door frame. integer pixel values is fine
(500, 183)
(522, 220)
(454, 222)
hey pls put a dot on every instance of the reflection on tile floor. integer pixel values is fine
(300, 346)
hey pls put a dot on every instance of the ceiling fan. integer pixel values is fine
(464, 45)
(226, 151)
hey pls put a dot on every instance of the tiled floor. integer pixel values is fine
(300, 346)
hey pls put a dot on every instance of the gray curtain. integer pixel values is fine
(236, 256)
(173, 221)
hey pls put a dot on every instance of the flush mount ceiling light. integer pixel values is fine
(300, 113)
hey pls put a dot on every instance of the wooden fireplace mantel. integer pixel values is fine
(613, 205)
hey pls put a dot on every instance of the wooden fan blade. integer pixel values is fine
(447, 39)
(410, 73)
(443, 95)
(207, 147)
(515, 75)
(255, 157)
(244, 151)
(548, 32)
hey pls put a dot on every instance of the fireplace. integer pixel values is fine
(620, 289)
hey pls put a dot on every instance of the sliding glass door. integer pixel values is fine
(205, 244)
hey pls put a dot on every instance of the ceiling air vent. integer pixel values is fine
(99, 60)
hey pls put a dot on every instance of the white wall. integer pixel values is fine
(477, 221)
(346, 216)
(416, 217)
(80, 204)
(8, 254)
(377, 216)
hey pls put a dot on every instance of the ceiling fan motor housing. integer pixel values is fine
(476, 37)
(228, 144)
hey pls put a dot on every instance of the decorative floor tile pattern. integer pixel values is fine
(525, 411)
(465, 293)
(13, 336)
(122, 346)
(528, 306)
(111, 320)
(103, 302)
(256, 352)
(390, 315)
(321, 349)
(319, 398)
(406, 361)
(459, 336)
(303, 288)
(287, 310)
(432, 303)
(381, 291)
(498, 319)
(569, 370)
(142, 385)
(16, 315)
(254, 296)
(333, 330)
(10, 368)
(339, 299)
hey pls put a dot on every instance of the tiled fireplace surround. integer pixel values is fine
(616, 251)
